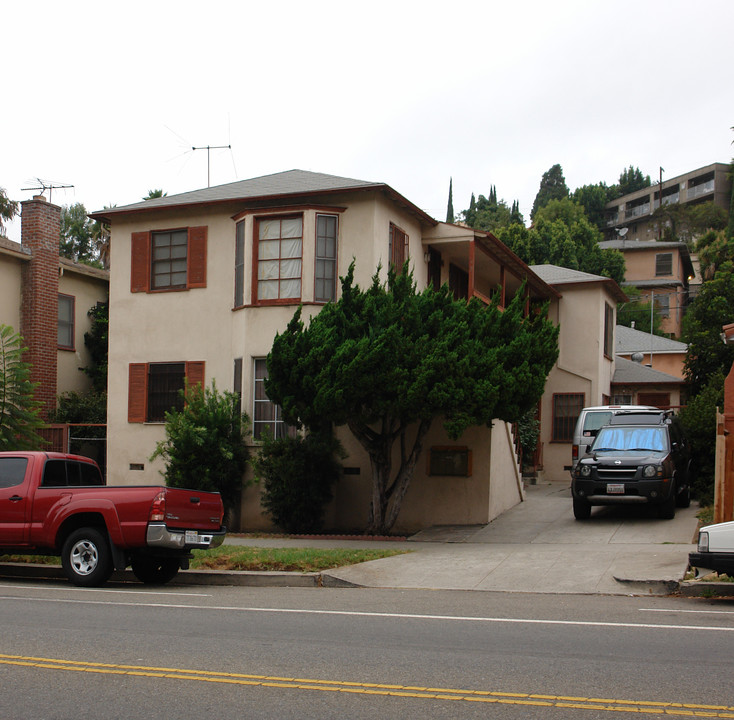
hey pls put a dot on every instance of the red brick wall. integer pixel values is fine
(40, 230)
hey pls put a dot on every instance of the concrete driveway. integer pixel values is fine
(538, 546)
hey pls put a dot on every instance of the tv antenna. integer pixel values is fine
(47, 185)
(208, 148)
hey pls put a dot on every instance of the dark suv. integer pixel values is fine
(639, 457)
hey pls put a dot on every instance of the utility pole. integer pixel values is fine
(660, 219)
(208, 148)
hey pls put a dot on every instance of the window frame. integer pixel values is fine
(333, 260)
(398, 251)
(164, 266)
(608, 330)
(290, 300)
(138, 410)
(141, 262)
(662, 262)
(280, 428)
(69, 325)
(563, 425)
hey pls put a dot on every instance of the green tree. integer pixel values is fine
(701, 329)
(96, 341)
(699, 419)
(637, 310)
(152, 194)
(298, 475)
(552, 187)
(593, 198)
(714, 249)
(8, 209)
(19, 410)
(562, 235)
(205, 447)
(388, 361)
(78, 241)
(631, 180)
(684, 222)
(450, 208)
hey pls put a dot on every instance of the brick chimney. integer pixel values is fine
(40, 232)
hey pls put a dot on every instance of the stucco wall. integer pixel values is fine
(87, 292)
(10, 274)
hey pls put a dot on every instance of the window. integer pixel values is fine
(622, 399)
(238, 383)
(12, 471)
(153, 388)
(398, 247)
(663, 304)
(664, 264)
(608, 330)
(566, 410)
(168, 260)
(65, 336)
(266, 414)
(165, 380)
(279, 251)
(326, 242)
(239, 265)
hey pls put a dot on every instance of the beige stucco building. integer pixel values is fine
(201, 283)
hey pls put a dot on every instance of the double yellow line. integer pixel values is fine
(407, 691)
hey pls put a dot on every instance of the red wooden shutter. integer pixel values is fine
(195, 373)
(137, 392)
(197, 257)
(140, 262)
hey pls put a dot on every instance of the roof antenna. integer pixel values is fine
(47, 185)
(208, 148)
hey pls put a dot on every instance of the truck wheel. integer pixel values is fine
(153, 570)
(581, 509)
(86, 557)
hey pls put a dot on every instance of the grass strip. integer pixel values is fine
(241, 557)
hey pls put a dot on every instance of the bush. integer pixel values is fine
(699, 420)
(205, 447)
(74, 407)
(298, 474)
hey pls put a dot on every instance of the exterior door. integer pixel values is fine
(13, 501)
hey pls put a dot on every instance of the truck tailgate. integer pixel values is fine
(193, 510)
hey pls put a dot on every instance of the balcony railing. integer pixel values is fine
(702, 189)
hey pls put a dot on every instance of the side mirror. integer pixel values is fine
(588, 449)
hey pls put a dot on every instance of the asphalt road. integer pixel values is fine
(126, 651)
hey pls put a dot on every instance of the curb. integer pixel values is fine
(233, 578)
(698, 588)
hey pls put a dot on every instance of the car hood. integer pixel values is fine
(626, 458)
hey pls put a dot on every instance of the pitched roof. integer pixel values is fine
(266, 187)
(631, 373)
(629, 340)
(555, 275)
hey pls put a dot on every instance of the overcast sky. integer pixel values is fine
(111, 97)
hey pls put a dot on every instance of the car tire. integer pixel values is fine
(153, 570)
(86, 557)
(581, 509)
(666, 511)
(684, 497)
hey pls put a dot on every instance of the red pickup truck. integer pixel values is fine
(58, 504)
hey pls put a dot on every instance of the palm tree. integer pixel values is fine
(8, 209)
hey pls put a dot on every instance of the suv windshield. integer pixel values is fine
(652, 439)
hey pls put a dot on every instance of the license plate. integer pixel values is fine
(192, 537)
(615, 489)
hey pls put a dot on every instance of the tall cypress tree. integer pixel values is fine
(450, 208)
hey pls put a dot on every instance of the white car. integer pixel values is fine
(715, 549)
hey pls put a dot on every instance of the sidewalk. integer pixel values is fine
(537, 546)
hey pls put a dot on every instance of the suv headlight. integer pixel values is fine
(584, 470)
(703, 542)
(651, 471)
